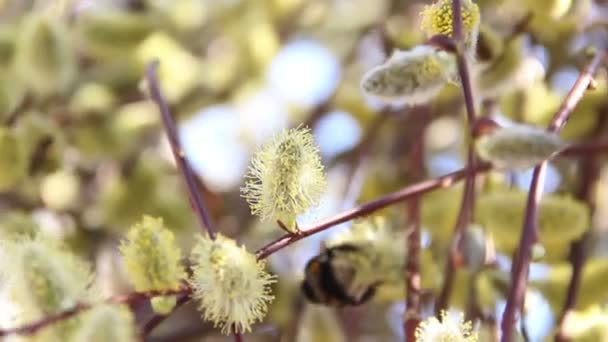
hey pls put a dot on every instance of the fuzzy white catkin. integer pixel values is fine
(518, 147)
(230, 284)
(409, 77)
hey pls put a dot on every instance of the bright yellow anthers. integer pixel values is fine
(450, 327)
(438, 19)
(230, 284)
(42, 278)
(285, 177)
(153, 259)
(409, 77)
(103, 323)
(518, 146)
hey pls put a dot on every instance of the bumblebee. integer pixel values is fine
(331, 278)
(358, 264)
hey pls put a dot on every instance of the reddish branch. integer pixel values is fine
(521, 261)
(196, 200)
(467, 206)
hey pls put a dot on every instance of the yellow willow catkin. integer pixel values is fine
(231, 286)
(437, 18)
(153, 260)
(285, 178)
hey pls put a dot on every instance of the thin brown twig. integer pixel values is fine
(529, 236)
(196, 199)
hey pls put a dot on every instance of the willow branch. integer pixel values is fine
(196, 200)
(529, 236)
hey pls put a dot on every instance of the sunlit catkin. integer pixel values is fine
(231, 286)
(285, 178)
(153, 259)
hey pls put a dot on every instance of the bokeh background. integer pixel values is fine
(83, 155)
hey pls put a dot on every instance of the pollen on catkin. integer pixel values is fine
(409, 77)
(285, 177)
(106, 322)
(449, 327)
(231, 286)
(518, 146)
(437, 18)
(152, 259)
